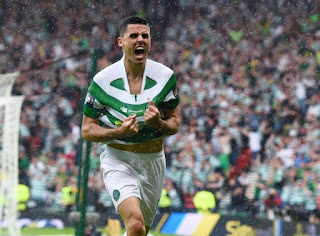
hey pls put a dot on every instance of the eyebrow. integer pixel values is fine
(135, 35)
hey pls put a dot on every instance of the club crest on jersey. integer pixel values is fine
(116, 195)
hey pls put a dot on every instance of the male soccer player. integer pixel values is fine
(131, 106)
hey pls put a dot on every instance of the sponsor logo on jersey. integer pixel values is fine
(124, 109)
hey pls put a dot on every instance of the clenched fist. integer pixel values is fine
(129, 126)
(152, 116)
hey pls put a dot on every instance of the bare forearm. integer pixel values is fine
(95, 133)
(169, 126)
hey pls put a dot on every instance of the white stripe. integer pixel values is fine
(189, 224)
(169, 96)
(116, 114)
(128, 98)
(140, 119)
(106, 121)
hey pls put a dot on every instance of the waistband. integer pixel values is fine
(129, 156)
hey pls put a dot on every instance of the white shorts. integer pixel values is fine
(141, 175)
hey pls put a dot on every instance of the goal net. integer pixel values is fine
(10, 109)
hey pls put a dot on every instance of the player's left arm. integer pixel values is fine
(168, 124)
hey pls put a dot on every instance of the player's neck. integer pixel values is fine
(135, 76)
(134, 71)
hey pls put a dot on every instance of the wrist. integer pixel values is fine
(157, 125)
(117, 133)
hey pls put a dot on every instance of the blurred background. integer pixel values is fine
(248, 78)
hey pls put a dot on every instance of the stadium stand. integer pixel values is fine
(248, 75)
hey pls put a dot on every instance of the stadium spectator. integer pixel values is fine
(238, 198)
(273, 203)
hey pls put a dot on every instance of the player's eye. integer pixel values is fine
(133, 36)
(145, 36)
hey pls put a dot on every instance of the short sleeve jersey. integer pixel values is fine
(109, 98)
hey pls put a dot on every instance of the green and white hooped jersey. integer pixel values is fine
(109, 97)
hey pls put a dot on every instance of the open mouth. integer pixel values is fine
(139, 51)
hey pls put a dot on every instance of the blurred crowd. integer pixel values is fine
(248, 75)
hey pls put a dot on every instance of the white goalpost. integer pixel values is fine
(6, 83)
(10, 109)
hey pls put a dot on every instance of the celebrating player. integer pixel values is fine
(131, 106)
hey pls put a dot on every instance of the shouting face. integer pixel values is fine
(135, 43)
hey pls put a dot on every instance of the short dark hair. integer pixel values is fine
(131, 20)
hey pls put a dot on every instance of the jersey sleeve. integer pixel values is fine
(92, 107)
(171, 100)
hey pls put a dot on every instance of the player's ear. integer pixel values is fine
(120, 42)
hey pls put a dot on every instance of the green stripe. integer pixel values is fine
(114, 120)
(171, 85)
(145, 134)
(114, 103)
(91, 112)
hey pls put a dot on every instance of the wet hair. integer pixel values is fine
(137, 20)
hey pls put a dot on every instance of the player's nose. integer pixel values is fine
(139, 38)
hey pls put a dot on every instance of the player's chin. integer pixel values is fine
(140, 61)
(140, 58)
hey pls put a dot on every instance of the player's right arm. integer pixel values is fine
(93, 132)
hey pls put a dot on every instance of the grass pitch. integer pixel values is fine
(68, 231)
